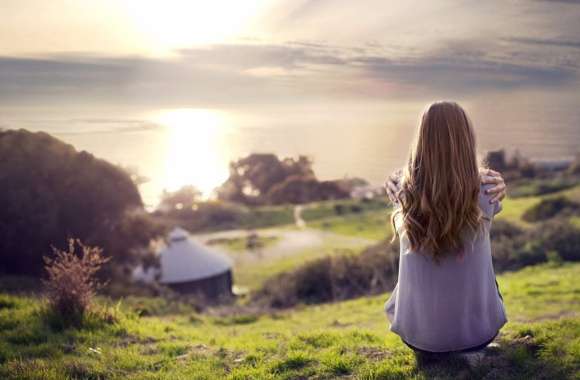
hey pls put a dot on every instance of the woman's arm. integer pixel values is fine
(488, 176)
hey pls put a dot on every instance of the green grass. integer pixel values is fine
(328, 209)
(252, 274)
(537, 186)
(373, 225)
(348, 339)
(240, 244)
(514, 208)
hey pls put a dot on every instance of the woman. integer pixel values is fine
(446, 298)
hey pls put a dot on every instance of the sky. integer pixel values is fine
(243, 54)
(110, 65)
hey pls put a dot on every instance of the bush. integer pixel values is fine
(548, 208)
(333, 278)
(375, 270)
(50, 192)
(501, 229)
(559, 236)
(512, 250)
(539, 186)
(71, 284)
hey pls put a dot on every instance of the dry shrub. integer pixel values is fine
(71, 283)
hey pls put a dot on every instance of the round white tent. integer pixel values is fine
(190, 267)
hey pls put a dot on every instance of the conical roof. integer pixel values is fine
(187, 260)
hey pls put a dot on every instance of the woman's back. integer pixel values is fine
(453, 303)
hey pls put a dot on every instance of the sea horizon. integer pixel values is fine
(176, 147)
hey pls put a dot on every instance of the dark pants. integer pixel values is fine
(470, 349)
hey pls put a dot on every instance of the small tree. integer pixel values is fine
(71, 283)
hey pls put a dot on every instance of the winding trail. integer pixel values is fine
(300, 223)
(291, 241)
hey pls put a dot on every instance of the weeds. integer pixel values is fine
(71, 284)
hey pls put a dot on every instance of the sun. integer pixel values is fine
(173, 24)
(196, 149)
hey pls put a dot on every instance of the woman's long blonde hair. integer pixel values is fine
(440, 185)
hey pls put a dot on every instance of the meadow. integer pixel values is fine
(161, 338)
(155, 339)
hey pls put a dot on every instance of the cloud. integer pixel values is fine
(241, 74)
(573, 2)
(545, 42)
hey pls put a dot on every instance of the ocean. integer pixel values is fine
(176, 147)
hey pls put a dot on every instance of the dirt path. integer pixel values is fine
(300, 223)
(290, 241)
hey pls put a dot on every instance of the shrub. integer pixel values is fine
(537, 186)
(501, 229)
(559, 236)
(512, 250)
(50, 192)
(333, 278)
(71, 284)
(548, 208)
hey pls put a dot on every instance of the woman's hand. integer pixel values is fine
(488, 176)
(392, 185)
(498, 191)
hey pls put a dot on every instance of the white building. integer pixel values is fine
(187, 266)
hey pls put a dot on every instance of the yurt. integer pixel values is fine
(190, 267)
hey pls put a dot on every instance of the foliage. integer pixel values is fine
(300, 189)
(252, 177)
(540, 186)
(184, 198)
(514, 248)
(51, 192)
(550, 207)
(342, 277)
(263, 178)
(71, 283)
(333, 278)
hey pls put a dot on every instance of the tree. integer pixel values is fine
(298, 189)
(252, 177)
(183, 199)
(51, 192)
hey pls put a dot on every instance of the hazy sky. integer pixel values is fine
(343, 81)
(240, 54)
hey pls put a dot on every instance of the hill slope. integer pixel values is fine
(348, 339)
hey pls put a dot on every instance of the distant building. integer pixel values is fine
(367, 192)
(189, 267)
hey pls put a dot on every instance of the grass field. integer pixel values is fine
(155, 338)
(348, 339)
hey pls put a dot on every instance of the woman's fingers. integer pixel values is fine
(498, 192)
(392, 186)
(491, 177)
(487, 179)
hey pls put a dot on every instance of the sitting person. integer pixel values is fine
(447, 298)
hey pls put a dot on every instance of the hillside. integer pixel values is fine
(334, 228)
(154, 339)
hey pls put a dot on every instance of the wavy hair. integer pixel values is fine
(440, 185)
